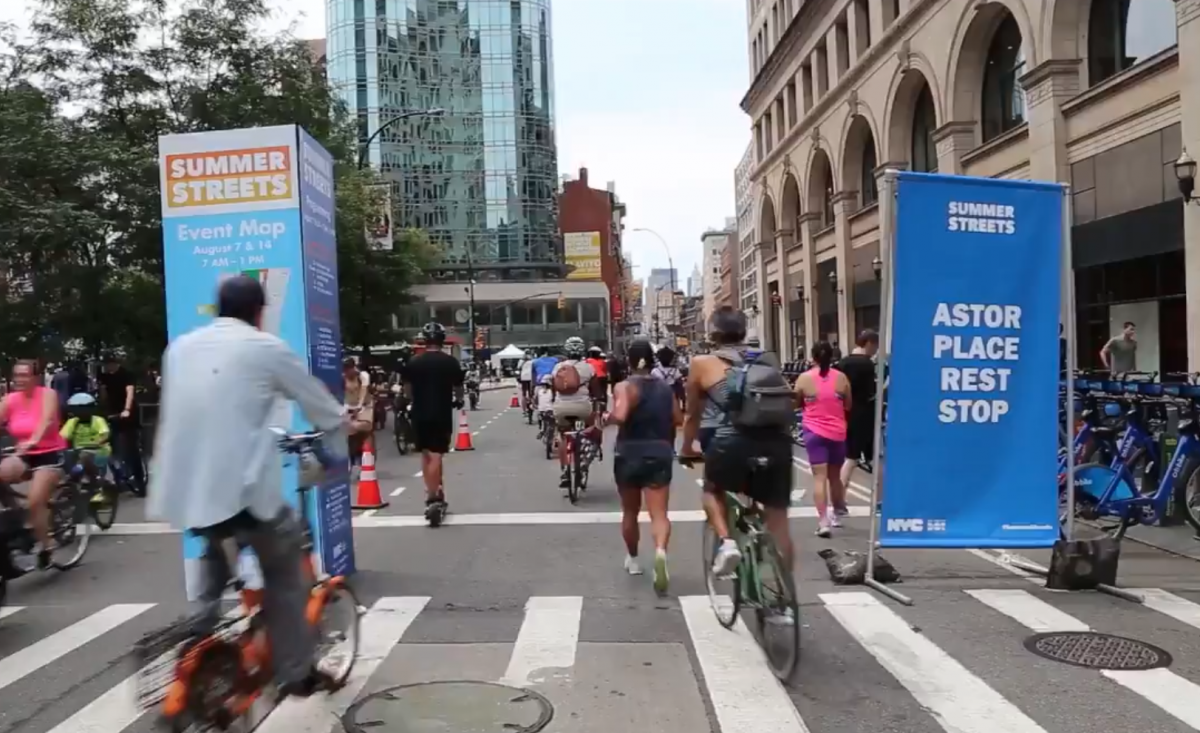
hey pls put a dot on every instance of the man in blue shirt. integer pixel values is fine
(543, 365)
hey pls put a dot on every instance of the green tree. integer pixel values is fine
(82, 105)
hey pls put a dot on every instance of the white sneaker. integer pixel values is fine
(832, 516)
(728, 557)
(631, 565)
(661, 577)
(823, 529)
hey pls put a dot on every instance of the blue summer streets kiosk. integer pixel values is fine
(973, 282)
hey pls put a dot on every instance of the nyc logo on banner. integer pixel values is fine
(972, 431)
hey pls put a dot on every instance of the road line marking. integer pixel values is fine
(745, 695)
(389, 521)
(955, 697)
(855, 489)
(398, 491)
(58, 645)
(7, 611)
(797, 495)
(116, 709)
(545, 646)
(418, 474)
(985, 555)
(1180, 609)
(382, 628)
(369, 513)
(1162, 687)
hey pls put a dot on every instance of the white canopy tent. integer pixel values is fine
(509, 352)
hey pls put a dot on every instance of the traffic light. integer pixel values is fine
(562, 302)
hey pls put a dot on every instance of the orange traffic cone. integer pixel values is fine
(464, 434)
(515, 402)
(368, 483)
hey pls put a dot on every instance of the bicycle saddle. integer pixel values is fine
(1104, 431)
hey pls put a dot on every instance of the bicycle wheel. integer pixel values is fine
(573, 485)
(69, 526)
(726, 602)
(778, 611)
(338, 634)
(104, 512)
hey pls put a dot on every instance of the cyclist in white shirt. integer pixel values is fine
(571, 398)
(525, 377)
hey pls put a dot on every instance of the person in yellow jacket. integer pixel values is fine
(88, 435)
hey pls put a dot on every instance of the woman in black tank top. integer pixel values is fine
(648, 414)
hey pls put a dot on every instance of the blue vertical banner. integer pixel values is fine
(235, 202)
(972, 430)
(334, 535)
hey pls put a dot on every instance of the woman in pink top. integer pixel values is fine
(30, 412)
(824, 393)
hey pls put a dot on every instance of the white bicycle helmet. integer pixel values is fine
(574, 348)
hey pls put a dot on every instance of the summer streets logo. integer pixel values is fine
(916, 525)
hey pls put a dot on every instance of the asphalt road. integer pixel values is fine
(519, 586)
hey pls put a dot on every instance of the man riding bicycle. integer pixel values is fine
(571, 398)
(598, 385)
(217, 473)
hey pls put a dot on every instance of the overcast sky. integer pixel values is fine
(647, 94)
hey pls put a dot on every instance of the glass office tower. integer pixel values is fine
(482, 178)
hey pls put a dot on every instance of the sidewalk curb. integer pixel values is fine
(1156, 546)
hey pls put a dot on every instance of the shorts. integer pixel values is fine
(642, 472)
(565, 413)
(705, 438)
(824, 451)
(761, 468)
(41, 461)
(432, 436)
(860, 442)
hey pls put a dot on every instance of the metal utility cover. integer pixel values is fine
(458, 706)
(1097, 651)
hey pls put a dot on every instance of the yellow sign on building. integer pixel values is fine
(582, 251)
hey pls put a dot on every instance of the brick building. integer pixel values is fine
(582, 210)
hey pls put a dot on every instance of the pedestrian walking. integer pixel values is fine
(825, 394)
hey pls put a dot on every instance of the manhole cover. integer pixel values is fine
(1097, 651)
(450, 707)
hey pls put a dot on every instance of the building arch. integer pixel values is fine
(913, 115)
(790, 207)
(766, 220)
(1123, 33)
(994, 45)
(1065, 29)
(860, 158)
(820, 186)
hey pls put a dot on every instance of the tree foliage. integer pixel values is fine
(84, 98)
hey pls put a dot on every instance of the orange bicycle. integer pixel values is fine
(210, 681)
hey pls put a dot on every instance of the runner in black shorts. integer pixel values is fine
(859, 368)
(433, 382)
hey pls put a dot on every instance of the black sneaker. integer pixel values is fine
(565, 481)
(316, 681)
(43, 560)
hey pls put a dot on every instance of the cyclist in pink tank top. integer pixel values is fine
(824, 393)
(30, 413)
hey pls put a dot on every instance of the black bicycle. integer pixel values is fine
(402, 428)
(581, 451)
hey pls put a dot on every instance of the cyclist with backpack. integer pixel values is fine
(571, 398)
(750, 408)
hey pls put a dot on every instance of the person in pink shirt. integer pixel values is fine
(824, 393)
(31, 415)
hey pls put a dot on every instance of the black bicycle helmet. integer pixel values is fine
(434, 333)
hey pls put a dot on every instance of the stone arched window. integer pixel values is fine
(924, 151)
(1122, 33)
(867, 185)
(1003, 98)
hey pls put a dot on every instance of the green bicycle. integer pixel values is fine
(760, 582)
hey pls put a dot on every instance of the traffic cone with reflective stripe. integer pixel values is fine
(515, 402)
(463, 442)
(368, 496)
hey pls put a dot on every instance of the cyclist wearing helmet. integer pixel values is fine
(572, 402)
(433, 384)
(598, 386)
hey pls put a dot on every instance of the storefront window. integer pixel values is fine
(1122, 33)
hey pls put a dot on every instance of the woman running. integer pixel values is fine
(648, 414)
(31, 414)
(824, 393)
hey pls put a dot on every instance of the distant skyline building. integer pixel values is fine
(481, 178)
(695, 282)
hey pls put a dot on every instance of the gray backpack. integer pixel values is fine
(759, 395)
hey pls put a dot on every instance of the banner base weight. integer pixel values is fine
(1083, 564)
(888, 591)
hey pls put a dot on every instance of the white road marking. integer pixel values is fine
(418, 474)
(558, 518)
(999, 562)
(957, 699)
(382, 628)
(7, 611)
(855, 489)
(1178, 608)
(745, 695)
(798, 495)
(369, 513)
(116, 709)
(1162, 687)
(58, 645)
(546, 643)
(398, 491)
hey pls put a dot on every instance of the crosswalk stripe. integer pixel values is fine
(956, 698)
(39, 654)
(381, 629)
(746, 697)
(1164, 688)
(6, 611)
(1180, 609)
(547, 639)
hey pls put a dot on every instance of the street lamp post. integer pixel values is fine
(363, 155)
(670, 261)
